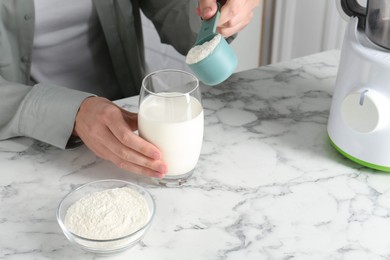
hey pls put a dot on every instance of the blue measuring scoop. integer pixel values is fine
(221, 62)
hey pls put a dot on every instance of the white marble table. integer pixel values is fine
(268, 184)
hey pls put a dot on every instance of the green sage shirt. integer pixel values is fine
(47, 112)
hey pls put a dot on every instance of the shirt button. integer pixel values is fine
(25, 59)
(27, 17)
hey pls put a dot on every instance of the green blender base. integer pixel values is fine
(356, 160)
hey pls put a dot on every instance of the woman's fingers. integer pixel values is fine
(206, 8)
(235, 14)
(105, 129)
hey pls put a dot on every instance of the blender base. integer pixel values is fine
(359, 118)
(358, 161)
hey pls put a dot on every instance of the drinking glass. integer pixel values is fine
(171, 117)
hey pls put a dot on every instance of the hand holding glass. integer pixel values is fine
(171, 117)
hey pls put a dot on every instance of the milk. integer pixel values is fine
(175, 125)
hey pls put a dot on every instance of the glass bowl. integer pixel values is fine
(107, 246)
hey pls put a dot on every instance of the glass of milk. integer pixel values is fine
(171, 117)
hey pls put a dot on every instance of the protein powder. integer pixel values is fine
(199, 52)
(108, 214)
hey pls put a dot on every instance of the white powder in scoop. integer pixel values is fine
(108, 214)
(199, 52)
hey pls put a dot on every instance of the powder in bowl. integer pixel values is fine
(199, 52)
(108, 214)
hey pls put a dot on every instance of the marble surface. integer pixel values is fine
(268, 184)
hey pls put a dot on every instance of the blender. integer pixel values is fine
(359, 120)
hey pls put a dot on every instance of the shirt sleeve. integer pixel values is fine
(175, 20)
(43, 112)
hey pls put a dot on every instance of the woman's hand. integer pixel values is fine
(107, 130)
(235, 14)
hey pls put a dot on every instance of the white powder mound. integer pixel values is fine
(108, 214)
(199, 52)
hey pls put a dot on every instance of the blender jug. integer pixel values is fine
(374, 19)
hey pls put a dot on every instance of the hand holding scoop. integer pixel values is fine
(211, 58)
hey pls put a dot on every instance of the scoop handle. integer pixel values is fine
(209, 28)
